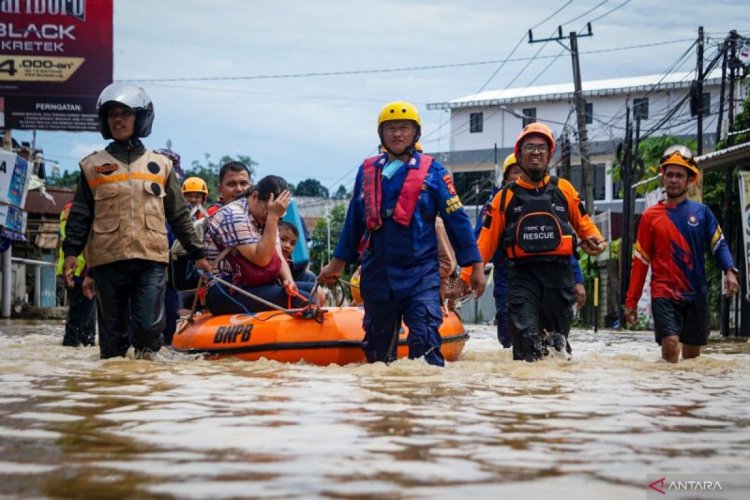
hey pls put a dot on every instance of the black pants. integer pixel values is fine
(538, 302)
(130, 291)
(171, 313)
(80, 326)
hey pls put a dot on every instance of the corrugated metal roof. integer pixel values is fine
(37, 203)
(729, 157)
(564, 91)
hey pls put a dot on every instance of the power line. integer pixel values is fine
(492, 76)
(623, 4)
(518, 44)
(670, 69)
(388, 70)
(656, 113)
(592, 9)
(676, 65)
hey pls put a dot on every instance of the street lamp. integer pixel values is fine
(328, 228)
(476, 220)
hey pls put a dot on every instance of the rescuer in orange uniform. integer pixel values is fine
(536, 220)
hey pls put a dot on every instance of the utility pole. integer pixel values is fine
(722, 92)
(699, 86)
(476, 221)
(728, 181)
(328, 232)
(565, 155)
(626, 244)
(498, 176)
(580, 103)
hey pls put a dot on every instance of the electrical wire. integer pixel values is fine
(462, 127)
(518, 44)
(592, 9)
(385, 70)
(623, 4)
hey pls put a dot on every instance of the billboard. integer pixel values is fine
(55, 58)
(15, 173)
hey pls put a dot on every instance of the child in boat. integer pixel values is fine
(195, 192)
(288, 234)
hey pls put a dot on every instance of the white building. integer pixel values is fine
(484, 126)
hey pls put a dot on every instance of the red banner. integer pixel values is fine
(53, 52)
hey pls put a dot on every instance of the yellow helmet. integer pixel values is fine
(681, 156)
(399, 110)
(509, 160)
(194, 185)
(354, 288)
(418, 147)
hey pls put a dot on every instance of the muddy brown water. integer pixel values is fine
(483, 427)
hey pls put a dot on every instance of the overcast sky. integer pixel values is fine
(323, 126)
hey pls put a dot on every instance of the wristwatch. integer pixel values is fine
(736, 271)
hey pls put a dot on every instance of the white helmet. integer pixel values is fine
(131, 96)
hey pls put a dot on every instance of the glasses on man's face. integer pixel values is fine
(535, 148)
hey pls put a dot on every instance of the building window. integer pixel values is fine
(529, 116)
(706, 103)
(476, 123)
(600, 178)
(589, 113)
(640, 108)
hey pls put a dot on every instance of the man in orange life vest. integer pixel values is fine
(535, 220)
(390, 226)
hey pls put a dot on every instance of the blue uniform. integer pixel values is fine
(500, 281)
(399, 265)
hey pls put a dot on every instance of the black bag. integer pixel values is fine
(181, 273)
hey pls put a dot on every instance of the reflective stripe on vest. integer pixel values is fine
(408, 197)
(144, 176)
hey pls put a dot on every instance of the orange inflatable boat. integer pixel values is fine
(281, 337)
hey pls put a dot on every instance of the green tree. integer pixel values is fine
(311, 187)
(208, 170)
(319, 239)
(69, 179)
(649, 158)
(341, 193)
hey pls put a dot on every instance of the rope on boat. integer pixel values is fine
(311, 311)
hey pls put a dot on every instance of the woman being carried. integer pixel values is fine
(243, 236)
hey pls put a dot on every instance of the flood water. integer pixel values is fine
(483, 427)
